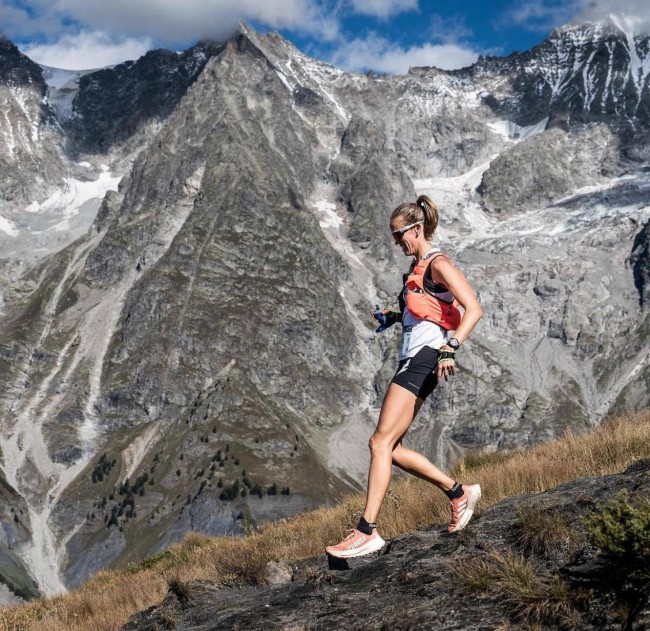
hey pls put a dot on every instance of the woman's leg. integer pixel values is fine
(397, 413)
(416, 464)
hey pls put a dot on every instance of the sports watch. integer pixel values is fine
(452, 342)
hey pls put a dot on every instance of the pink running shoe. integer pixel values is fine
(356, 544)
(462, 508)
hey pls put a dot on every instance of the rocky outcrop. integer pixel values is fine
(114, 104)
(528, 559)
(14, 514)
(640, 262)
(17, 69)
(30, 141)
(548, 167)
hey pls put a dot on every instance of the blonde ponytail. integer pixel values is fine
(424, 210)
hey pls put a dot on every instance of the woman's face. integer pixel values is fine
(406, 235)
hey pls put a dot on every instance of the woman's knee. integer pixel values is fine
(380, 442)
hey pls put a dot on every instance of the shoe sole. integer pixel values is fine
(474, 497)
(374, 546)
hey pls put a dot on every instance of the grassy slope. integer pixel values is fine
(106, 601)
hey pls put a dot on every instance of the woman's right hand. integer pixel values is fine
(385, 317)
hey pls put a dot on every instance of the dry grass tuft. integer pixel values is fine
(181, 590)
(513, 581)
(107, 600)
(544, 532)
(168, 618)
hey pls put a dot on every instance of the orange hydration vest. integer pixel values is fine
(434, 303)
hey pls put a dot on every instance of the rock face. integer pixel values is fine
(196, 354)
(113, 104)
(526, 560)
(15, 533)
(30, 156)
(640, 261)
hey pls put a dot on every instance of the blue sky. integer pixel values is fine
(382, 35)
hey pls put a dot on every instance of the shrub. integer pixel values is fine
(102, 468)
(622, 530)
(231, 492)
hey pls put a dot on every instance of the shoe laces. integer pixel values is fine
(350, 534)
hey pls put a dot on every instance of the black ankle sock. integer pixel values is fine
(365, 527)
(455, 491)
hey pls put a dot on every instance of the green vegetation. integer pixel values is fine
(102, 468)
(622, 532)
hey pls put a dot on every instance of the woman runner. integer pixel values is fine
(429, 314)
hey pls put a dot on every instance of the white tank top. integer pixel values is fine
(418, 333)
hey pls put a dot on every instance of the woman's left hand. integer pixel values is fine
(446, 367)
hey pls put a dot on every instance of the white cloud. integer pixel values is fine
(544, 15)
(381, 55)
(171, 21)
(383, 8)
(88, 50)
(80, 33)
(637, 11)
(18, 22)
(449, 29)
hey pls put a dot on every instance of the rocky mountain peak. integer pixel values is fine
(588, 72)
(113, 103)
(17, 69)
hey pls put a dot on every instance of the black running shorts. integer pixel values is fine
(417, 374)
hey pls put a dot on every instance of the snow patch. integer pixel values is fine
(639, 66)
(67, 200)
(469, 180)
(284, 80)
(63, 87)
(8, 227)
(515, 133)
(329, 218)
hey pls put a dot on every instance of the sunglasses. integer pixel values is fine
(401, 231)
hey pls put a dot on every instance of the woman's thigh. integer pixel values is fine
(397, 413)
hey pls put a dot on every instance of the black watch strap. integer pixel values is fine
(453, 343)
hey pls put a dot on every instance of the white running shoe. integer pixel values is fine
(462, 508)
(356, 544)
